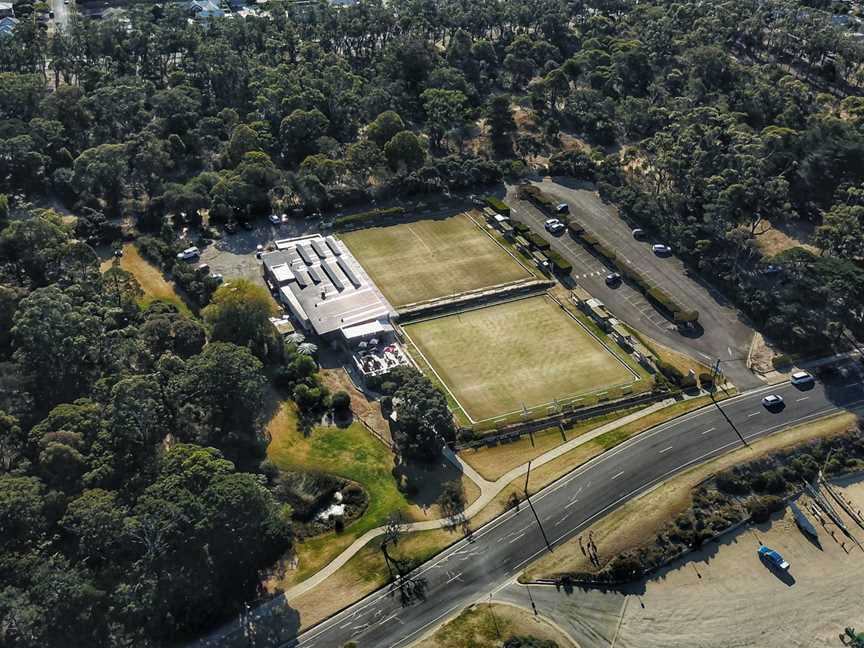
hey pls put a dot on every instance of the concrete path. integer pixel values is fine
(488, 492)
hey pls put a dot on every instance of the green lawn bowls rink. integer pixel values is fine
(516, 357)
(431, 259)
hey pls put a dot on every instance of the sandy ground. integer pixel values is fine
(724, 597)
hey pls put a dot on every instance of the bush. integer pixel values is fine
(588, 237)
(706, 380)
(671, 372)
(537, 241)
(761, 508)
(363, 217)
(559, 263)
(519, 226)
(781, 361)
(498, 205)
(341, 402)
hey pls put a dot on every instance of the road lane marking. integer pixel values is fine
(753, 414)
(572, 502)
(562, 520)
(665, 450)
(456, 577)
(803, 398)
(618, 475)
(603, 458)
(516, 538)
(708, 430)
(705, 355)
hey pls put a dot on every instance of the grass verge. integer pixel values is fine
(487, 626)
(639, 520)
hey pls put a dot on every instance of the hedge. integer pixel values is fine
(543, 200)
(561, 265)
(537, 241)
(588, 237)
(575, 227)
(781, 361)
(519, 226)
(362, 217)
(498, 205)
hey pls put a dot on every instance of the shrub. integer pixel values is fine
(363, 217)
(519, 226)
(604, 251)
(341, 402)
(537, 241)
(626, 567)
(559, 263)
(688, 381)
(498, 205)
(671, 372)
(761, 508)
(575, 227)
(729, 482)
(780, 361)
(338, 524)
(588, 237)
(706, 380)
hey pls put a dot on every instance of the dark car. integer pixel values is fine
(231, 227)
(613, 279)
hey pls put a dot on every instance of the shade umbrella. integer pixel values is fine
(296, 338)
(307, 348)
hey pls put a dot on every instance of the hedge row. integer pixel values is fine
(519, 226)
(498, 205)
(543, 200)
(362, 217)
(537, 241)
(560, 264)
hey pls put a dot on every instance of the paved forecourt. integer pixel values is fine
(430, 259)
(516, 355)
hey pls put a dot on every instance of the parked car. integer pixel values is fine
(259, 250)
(801, 378)
(563, 208)
(274, 218)
(773, 558)
(553, 225)
(118, 252)
(217, 277)
(639, 234)
(203, 268)
(613, 279)
(189, 253)
(661, 248)
(772, 400)
(284, 218)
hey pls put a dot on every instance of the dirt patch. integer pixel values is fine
(488, 626)
(643, 518)
(336, 379)
(784, 236)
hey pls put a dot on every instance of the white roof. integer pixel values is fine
(500, 218)
(283, 274)
(368, 328)
(594, 303)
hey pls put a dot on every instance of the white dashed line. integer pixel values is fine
(803, 398)
(708, 430)
(665, 450)
(753, 414)
(516, 538)
(618, 475)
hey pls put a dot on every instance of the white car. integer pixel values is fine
(772, 400)
(661, 248)
(274, 218)
(553, 225)
(189, 253)
(801, 378)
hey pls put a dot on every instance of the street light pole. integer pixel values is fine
(715, 372)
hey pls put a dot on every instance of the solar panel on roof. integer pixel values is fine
(320, 248)
(334, 276)
(316, 276)
(303, 251)
(348, 272)
(333, 245)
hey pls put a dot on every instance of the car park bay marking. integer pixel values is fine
(753, 414)
(708, 430)
(618, 475)
(803, 398)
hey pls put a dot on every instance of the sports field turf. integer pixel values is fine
(429, 259)
(527, 352)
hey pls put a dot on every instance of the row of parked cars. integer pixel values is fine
(193, 253)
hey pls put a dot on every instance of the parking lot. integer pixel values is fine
(724, 334)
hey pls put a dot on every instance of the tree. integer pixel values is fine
(452, 499)
(102, 171)
(425, 421)
(384, 127)
(22, 512)
(299, 132)
(243, 140)
(240, 313)
(405, 152)
(341, 403)
(445, 110)
(95, 523)
(842, 231)
(4, 210)
(499, 116)
(122, 289)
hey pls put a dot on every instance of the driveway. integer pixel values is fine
(724, 334)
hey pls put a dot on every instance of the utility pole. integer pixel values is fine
(494, 620)
(527, 475)
(715, 372)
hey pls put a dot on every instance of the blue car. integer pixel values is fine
(773, 557)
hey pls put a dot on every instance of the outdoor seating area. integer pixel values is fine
(373, 358)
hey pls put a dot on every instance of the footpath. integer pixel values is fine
(489, 490)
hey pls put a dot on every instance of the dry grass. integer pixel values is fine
(488, 626)
(788, 235)
(492, 462)
(153, 283)
(640, 520)
(365, 573)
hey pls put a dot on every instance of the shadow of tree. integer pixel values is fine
(423, 483)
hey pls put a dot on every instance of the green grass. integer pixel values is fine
(152, 281)
(430, 259)
(351, 453)
(526, 352)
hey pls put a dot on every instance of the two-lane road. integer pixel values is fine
(472, 569)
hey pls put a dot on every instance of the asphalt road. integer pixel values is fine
(61, 13)
(724, 334)
(474, 568)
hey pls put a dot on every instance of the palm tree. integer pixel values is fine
(307, 348)
(296, 338)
